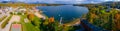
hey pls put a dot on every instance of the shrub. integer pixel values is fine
(2, 18)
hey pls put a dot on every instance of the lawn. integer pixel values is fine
(27, 26)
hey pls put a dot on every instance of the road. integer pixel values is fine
(15, 18)
(3, 21)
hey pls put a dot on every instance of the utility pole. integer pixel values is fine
(60, 20)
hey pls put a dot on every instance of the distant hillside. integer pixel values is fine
(10, 3)
(110, 4)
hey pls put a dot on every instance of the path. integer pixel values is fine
(3, 21)
(15, 18)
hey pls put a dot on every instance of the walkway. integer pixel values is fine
(15, 18)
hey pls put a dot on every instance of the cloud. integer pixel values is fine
(61, 1)
(117, 0)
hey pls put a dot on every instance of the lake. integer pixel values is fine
(67, 12)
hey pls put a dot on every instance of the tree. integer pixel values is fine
(30, 17)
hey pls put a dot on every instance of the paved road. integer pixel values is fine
(15, 18)
(2, 22)
(4, 14)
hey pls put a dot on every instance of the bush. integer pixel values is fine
(2, 18)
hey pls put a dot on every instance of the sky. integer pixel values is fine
(61, 1)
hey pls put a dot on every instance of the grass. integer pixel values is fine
(22, 17)
(5, 22)
(103, 11)
(2, 18)
(27, 26)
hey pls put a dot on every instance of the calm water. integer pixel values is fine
(67, 12)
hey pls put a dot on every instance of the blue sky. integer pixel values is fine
(61, 1)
